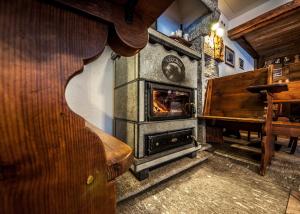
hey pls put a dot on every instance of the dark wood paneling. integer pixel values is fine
(273, 34)
(263, 20)
(280, 38)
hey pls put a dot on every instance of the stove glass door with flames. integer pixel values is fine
(170, 103)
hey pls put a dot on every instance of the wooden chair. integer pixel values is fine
(287, 99)
(293, 144)
(283, 113)
(228, 104)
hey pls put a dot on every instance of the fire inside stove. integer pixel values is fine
(168, 103)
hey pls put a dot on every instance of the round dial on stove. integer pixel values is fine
(173, 68)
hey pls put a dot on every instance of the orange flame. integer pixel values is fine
(158, 107)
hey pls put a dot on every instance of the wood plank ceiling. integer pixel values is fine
(271, 35)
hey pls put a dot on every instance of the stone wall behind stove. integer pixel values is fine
(208, 67)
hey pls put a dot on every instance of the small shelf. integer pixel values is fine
(181, 41)
(171, 44)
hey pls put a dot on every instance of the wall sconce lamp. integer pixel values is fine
(213, 43)
(217, 29)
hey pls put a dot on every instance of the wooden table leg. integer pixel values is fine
(291, 142)
(294, 145)
(265, 155)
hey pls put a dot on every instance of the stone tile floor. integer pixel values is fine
(128, 186)
(216, 186)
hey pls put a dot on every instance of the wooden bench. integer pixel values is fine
(118, 155)
(246, 101)
(228, 104)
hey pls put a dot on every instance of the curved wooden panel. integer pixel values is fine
(126, 39)
(118, 155)
(46, 153)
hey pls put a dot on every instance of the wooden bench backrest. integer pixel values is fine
(228, 96)
(294, 85)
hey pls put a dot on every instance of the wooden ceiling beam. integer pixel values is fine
(247, 46)
(288, 50)
(263, 20)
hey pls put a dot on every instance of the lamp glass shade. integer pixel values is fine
(215, 26)
(220, 32)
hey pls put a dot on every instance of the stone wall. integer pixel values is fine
(208, 67)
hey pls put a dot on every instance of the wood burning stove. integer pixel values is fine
(165, 102)
(155, 104)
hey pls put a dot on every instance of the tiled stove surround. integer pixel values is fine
(131, 77)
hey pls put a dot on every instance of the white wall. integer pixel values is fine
(257, 11)
(90, 93)
(166, 25)
(183, 12)
(225, 69)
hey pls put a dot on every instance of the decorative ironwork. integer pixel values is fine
(173, 68)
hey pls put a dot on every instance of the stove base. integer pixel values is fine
(140, 167)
